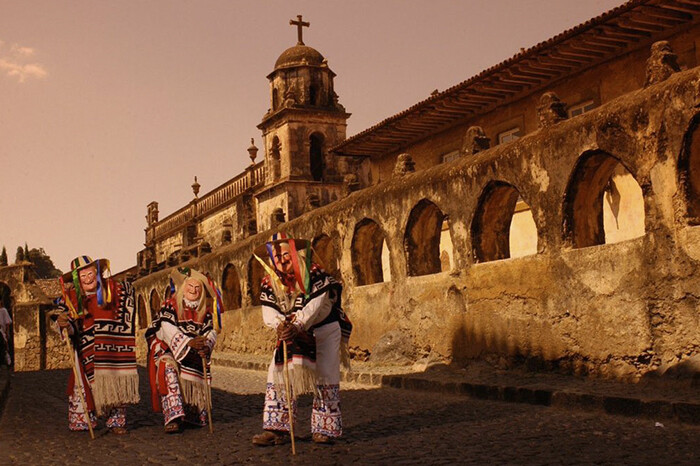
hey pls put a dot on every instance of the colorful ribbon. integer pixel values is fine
(218, 304)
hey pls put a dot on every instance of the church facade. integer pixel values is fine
(546, 210)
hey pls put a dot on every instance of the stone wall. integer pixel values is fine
(36, 345)
(617, 310)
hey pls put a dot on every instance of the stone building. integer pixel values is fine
(545, 210)
(29, 300)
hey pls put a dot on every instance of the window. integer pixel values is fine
(581, 108)
(509, 135)
(449, 156)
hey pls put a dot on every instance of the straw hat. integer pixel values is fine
(82, 262)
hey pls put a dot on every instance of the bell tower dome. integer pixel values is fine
(304, 120)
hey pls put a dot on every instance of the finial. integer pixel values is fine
(252, 151)
(195, 187)
(299, 24)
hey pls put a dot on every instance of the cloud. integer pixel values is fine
(14, 63)
(21, 51)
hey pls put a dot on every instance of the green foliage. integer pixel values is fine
(19, 257)
(42, 264)
(3, 256)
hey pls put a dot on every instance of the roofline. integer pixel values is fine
(353, 145)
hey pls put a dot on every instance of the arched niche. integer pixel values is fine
(231, 288)
(689, 171)
(326, 254)
(275, 159)
(142, 312)
(502, 226)
(422, 239)
(155, 303)
(368, 242)
(256, 272)
(603, 203)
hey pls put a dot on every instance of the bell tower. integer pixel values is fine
(304, 120)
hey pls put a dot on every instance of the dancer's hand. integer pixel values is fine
(198, 343)
(287, 331)
(63, 320)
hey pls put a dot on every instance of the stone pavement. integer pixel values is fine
(677, 400)
(382, 426)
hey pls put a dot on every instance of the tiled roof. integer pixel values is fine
(626, 27)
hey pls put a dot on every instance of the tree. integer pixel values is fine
(42, 264)
(19, 257)
(26, 251)
(3, 256)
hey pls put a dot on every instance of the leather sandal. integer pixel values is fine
(118, 430)
(172, 427)
(270, 438)
(317, 437)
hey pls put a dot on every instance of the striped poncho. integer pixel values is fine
(106, 348)
(301, 352)
(167, 338)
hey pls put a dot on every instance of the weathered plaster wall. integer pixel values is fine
(617, 310)
(167, 246)
(212, 227)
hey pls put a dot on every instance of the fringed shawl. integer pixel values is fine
(301, 352)
(105, 340)
(167, 338)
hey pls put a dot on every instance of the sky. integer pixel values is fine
(106, 106)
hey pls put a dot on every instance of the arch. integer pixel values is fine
(316, 156)
(368, 241)
(502, 226)
(142, 312)
(255, 276)
(422, 239)
(325, 250)
(603, 202)
(155, 303)
(275, 99)
(689, 171)
(168, 293)
(276, 159)
(231, 288)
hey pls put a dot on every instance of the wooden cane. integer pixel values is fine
(290, 410)
(79, 383)
(206, 380)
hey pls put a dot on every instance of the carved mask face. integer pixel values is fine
(193, 289)
(88, 279)
(283, 258)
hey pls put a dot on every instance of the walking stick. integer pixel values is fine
(79, 382)
(206, 380)
(290, 410)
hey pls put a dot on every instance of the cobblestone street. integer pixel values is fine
(382, 426)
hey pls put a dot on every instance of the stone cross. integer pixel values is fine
(299, 24)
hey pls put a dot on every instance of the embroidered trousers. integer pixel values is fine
(325, 413)
(173, 405)
(76, 414)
